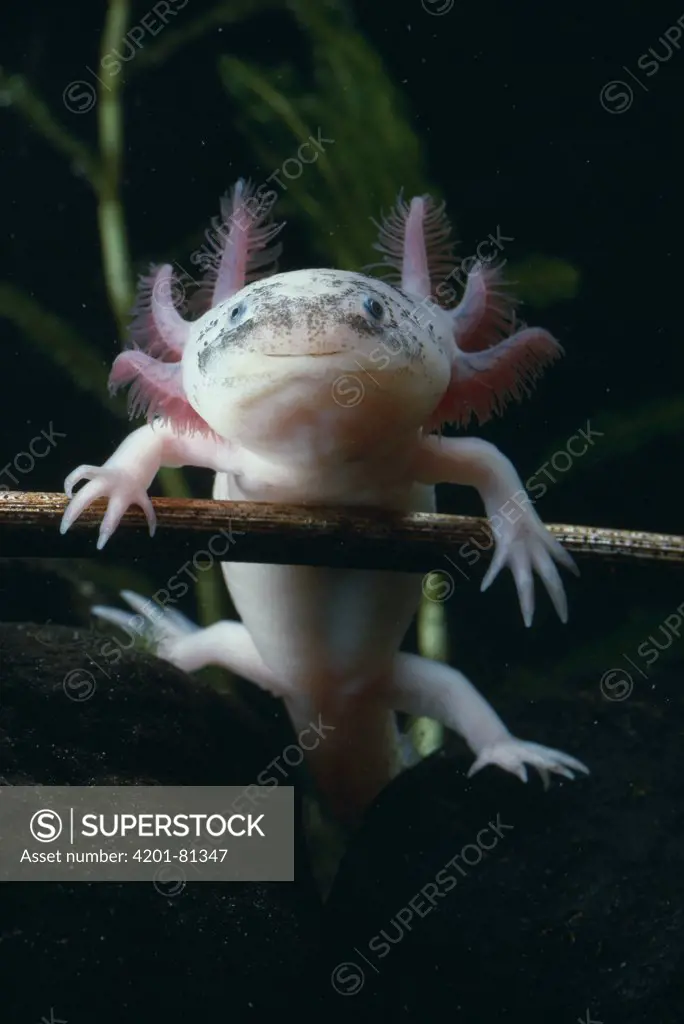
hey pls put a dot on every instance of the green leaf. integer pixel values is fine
(597, 656)
(58, 341)
(542, 280)
(630, 432)
(623, 434)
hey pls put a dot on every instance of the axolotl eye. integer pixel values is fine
(237, 313)
(375, 309)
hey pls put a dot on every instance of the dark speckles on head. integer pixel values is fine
(407, 298)
(235, 337)
(271, 284)
(361, 326)
(306, 307)
(279, 309)
(393, 342)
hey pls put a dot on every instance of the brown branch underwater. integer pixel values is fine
(293, 535)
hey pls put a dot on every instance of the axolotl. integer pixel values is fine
(254, 389)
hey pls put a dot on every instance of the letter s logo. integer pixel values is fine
(46, 826)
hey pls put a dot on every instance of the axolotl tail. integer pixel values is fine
(360, 750)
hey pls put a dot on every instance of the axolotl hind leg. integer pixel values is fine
(417, 686)
(176, 639)
(432, 689)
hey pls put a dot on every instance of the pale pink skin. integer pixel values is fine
(249, 391)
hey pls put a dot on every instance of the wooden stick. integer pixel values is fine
(244, 531)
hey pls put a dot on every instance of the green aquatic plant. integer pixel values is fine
(541, 281)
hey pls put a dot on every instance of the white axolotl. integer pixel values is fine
(257, 389)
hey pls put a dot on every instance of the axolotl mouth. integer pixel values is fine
(269, 401)
(308, 355)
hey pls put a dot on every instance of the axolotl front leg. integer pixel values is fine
(125, 477)
(523, 542)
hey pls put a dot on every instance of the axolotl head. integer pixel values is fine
(327, 350)
(311, 356)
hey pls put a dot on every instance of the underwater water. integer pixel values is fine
(549, 134)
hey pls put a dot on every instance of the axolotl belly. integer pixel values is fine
(331, 636)
(328, 387)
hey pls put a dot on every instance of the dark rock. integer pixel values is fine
(31, 590)
(110, 952)
(577, 907)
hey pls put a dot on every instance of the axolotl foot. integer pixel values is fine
(162, 629)
(122, 488)
(513, 755)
